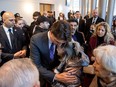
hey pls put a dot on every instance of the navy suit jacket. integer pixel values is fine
(7, 52)
(81, 27)
(80, 37)
(39, 52)
(89, 22)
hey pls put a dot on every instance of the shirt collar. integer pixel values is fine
(95, 18)
(6, 29)
(49, 40)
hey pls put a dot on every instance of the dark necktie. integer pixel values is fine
(11, 38)
(74, 37)
(93, 22)
(52, 51)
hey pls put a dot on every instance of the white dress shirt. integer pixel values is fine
(7, 34)
(94, 20)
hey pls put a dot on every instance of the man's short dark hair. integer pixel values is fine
(17, 15)
(72, 20)
(49, 11)
(36, 13)
(61, 30)
(2, 12)
(77, 12)
(42, 19)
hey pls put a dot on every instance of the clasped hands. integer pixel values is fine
(20, 54)
(67, 77)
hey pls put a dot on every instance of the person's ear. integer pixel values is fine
(37, 85)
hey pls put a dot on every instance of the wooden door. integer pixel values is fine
(45, 7)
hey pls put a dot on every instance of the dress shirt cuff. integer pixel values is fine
(54, 79)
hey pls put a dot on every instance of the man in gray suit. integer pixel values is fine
(40, 46)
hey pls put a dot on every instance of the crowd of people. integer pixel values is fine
(29, 54)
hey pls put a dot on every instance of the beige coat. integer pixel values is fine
(95, 84)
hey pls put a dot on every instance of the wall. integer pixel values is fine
(27, 7)
(24, 7)
(61, 7)
(115, 9)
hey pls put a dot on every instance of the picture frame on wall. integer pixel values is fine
(67, 2)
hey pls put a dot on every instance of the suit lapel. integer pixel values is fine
(45, 45)
(91, 20)
(5, 38)
(79, 21)
(15, 39)
(97, 21)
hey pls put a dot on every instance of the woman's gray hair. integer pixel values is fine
(107, 57)
(19, 73)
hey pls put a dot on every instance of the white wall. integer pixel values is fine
(27, 7)
(115, 9)
(61, 7)
(20, 6)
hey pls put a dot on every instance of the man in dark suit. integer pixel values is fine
(51, 16)
(11, 40)
(76, 35)
(93, 20)
(36, 15)
(42, 25)
(80, 22)
(40, 49)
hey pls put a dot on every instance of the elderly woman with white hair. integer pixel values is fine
(104, 66)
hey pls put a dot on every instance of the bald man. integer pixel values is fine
(95, 19)
(12, 40)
